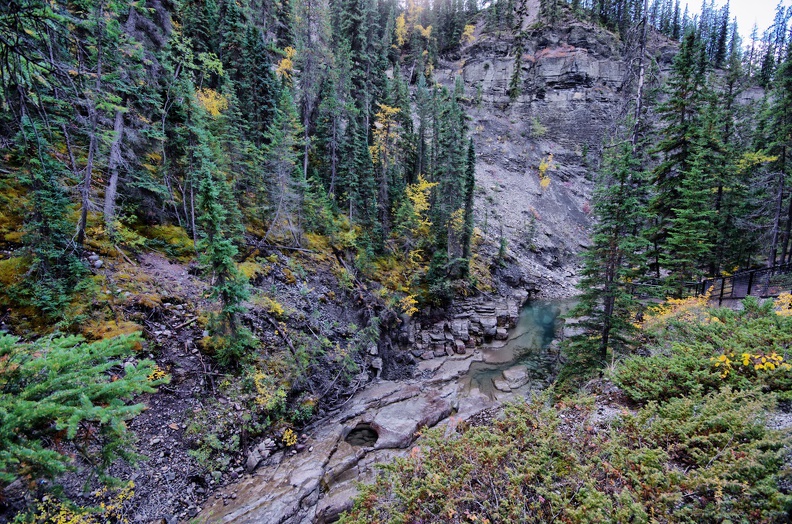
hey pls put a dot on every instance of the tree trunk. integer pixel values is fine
(771, 257)
(787, 230)
(85, 190)
(333, 159)
(114, 163)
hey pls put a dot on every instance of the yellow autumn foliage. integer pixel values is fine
(385, 132)
(408, 305)
(213, 102)
(110, 509)
(758, 361)
(419, 194)
(268, 395)
(425, 32)
(783, 305)
(750, 160)
(544, 166)
(286, 65)
(401, 30)
(467, 34)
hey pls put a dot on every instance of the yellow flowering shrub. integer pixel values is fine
(783, 305)
(689, 309)
(289, 437)
(111, 508)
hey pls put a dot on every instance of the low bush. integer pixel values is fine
(698, 459)
(701, 350)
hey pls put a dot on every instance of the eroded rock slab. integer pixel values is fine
(315, 486)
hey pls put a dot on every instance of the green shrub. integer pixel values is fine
(704, 350)
(702, 459)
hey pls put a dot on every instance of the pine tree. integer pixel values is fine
(449, 172)
(281, 160)
(780, 145)
(258, 88)
(686, 90)
(56, 270)
(217, 224)
(722, 38)
(730, 242)
(614, 259)
(690, 231)
(65, 385)
(469, 192)
(515, 83)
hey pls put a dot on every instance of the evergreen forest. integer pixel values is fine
(225, 222)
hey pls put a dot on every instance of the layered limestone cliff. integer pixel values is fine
(538, 149)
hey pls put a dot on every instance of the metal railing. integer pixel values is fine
(765, 282)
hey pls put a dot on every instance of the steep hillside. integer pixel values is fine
(575, 84)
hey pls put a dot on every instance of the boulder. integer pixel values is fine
(501, 385)
(502, 315)
(254, 458)
(459, 329)
(516, 376)
(397, 423)
(489, 326)
(460, 346)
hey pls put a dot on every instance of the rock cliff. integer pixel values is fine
(537, 150)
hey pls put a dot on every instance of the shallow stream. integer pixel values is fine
(529, 345)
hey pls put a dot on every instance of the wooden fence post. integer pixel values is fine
(723, 285)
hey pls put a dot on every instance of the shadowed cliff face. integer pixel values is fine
(574, 87)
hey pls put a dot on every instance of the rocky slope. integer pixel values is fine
(575, 85)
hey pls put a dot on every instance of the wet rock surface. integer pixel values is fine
(382, 421)
(469, 324)
(316, 484)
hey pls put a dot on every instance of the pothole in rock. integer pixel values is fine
(362, 435)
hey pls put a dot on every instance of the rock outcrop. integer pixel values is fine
(574, 86)
(470, 323)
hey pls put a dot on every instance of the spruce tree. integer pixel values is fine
(217, 251)
(779, 144)
(281, 162)
(258, 88)
(690, 231)
(681, 114)
(67, 387)
(615, 258)
(56, 270)
(469, 194)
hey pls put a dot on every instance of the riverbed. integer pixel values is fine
(383, 420)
